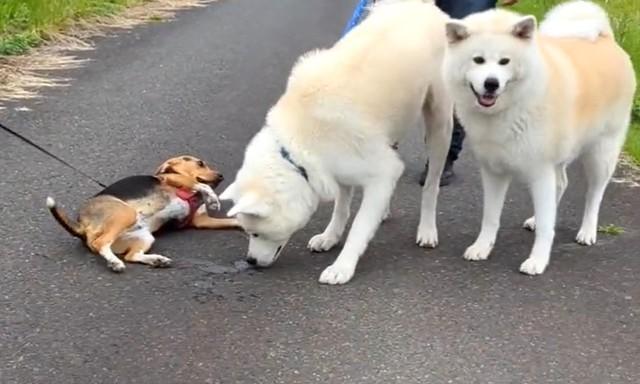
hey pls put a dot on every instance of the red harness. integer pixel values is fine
(192, 198)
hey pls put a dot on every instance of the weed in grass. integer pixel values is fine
(611, 230)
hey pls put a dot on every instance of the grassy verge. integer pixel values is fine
(27, 23)
(625, 16)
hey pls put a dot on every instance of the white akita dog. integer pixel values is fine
(335, 128)
(532, 102)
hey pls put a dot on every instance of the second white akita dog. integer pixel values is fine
(335, 128)
(533, 102)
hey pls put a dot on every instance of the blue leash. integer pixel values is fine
(357, 16)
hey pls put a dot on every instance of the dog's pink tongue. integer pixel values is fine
(487, 100)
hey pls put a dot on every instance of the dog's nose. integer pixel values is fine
(491, 84)
(252, 261)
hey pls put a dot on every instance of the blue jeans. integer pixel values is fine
(459, 9)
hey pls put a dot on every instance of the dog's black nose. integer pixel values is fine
(491, 84)
(252, 261)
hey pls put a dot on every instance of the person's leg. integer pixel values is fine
(457, 137)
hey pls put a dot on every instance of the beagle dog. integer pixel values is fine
(121, 219)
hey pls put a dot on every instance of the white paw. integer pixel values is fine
(159, 261)
(427, 238)
(478, 251)
(585, 237)
(322, 242)
(530, 224)
(116, 265)
(211, 200)
(533, 266)
(336, 274)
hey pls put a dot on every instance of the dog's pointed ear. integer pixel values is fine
(229, 193)
(525, 28)
(250, 205)
(456, 31)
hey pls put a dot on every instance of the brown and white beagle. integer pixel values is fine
(121, 219)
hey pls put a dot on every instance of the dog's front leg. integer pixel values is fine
(211, 200)
(543, 192)
(202, 220)
(332, 234)
(376, 196)
(494, 191)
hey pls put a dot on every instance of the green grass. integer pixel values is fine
(27, 23)
(611, 230)
(625, 17)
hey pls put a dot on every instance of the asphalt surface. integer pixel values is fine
(202, 85)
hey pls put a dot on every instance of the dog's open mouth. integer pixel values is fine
(486, 100)
(212, 182)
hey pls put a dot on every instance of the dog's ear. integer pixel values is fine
(229, 193)
(525, 28)
(456, 32)
(250, 205)
(165, 168)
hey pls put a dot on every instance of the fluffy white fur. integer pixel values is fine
(562, 94)
(343, 109)
(580, 19)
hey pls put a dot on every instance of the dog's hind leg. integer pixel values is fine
(438, 121)
(112, 228)
(599, 161)
(341, 210)
(376, 196)
(139, 245)
(561, 186)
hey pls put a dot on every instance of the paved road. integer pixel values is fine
(202, 84)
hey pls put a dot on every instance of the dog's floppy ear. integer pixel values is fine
(250, 204)
(229, 193)
(525, 28)
(165, 168)
(456, 31)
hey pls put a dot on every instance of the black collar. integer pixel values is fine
(287, 156)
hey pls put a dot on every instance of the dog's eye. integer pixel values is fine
(478, 60)
(200, 163)
(504, 61)
(253, 235)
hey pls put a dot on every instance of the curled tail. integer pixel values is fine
(579, 19)
(71, 226)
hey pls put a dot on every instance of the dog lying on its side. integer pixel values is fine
(121, 219)
(534, 101)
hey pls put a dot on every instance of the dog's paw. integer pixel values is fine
(478, 251)
(322, 242)
(530, 224)
(427, 238)
(336, 274)
(159, 261)
(116, 265)
(533, 266)
(212, 203)
(211, 200)
(585, 237)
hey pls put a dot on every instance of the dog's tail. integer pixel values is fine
(579, 19)
(71, 226)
